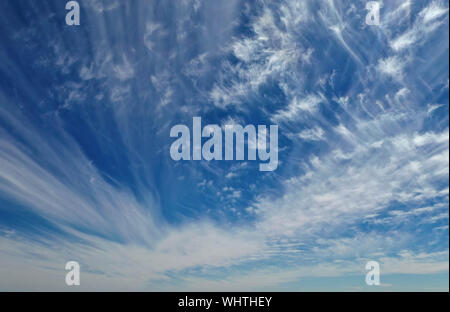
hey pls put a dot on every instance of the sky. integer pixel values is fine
(363, 145)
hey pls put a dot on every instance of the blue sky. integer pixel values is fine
(85, 166)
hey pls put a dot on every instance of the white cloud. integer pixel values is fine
(275, 278)
(423, 25)
(308, 104)
(314, 134)
(433, 11)
(433, 107)
(125, 70)
(108, 265)
(267, 55)
(101, 6)
(332, 194)
(391, 66)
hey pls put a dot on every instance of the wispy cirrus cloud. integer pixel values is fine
(85, 175)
